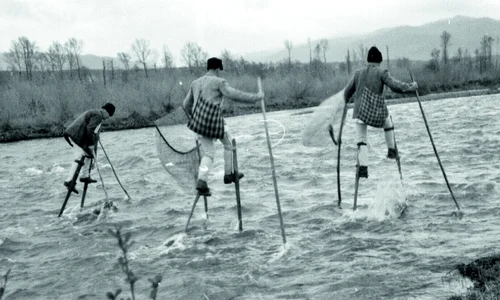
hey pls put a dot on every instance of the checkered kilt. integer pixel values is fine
(373, 110)
(207, 120)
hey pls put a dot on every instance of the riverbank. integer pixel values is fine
(136, 121)
(485, 274)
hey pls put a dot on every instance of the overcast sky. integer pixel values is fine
(240, 26)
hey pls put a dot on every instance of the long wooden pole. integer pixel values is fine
(434, 146)
(237, 185)
(259, 83)
(339, 202)
(113, 169)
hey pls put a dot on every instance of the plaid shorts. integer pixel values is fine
(373, 110)
(207, 120)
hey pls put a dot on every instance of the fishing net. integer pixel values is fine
(176, 148)
(329, 112)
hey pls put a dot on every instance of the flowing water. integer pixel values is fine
(330, 253)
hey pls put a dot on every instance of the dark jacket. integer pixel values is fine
(373, 77)
(84, 131)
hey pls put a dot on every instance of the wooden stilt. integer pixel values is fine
(199, 160)
(401, 207)
(192, 210)
(237, 185)
(356, 185)
(398, 158)
(85, 186)
(72, 183)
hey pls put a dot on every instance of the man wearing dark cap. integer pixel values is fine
(366, 87)
(203, 105)
(84, 132)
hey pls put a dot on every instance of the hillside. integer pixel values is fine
(414, 42)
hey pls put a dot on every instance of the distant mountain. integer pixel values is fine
(413, 42)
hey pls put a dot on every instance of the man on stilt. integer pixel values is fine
(84, 132)
(366, 87)
(203, 105)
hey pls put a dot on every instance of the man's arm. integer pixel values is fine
(237, 95)
(396, 85)
(93, 126)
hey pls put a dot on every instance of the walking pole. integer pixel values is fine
(434, 147)
(259, 83)
(113, 169)
(338, 143)
(237, 184)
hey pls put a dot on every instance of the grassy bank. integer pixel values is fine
(485, 274)
(42, 108)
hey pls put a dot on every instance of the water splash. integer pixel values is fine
(283, 251)
(174, 243)
(389, 197)
(33, 171)
(57, 169)
(388, 201)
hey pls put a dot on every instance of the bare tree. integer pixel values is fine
(57, 57)
(288, 46)
(460, 55)
(75, 47)
(186, 55)
(28, 50)
(310, 51)
(15, 57)
(388, 62)
(142, 52)
(485, 53)
(167, 60)
(124, 59)
(70, 57)
(193, 55)
(363, 51)
(434, 62)
(348, 59)
(317, 52)
(479, 64)
(324, 48)
(41, 62)
(354, 57)
(445, 42)
(228, 61)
